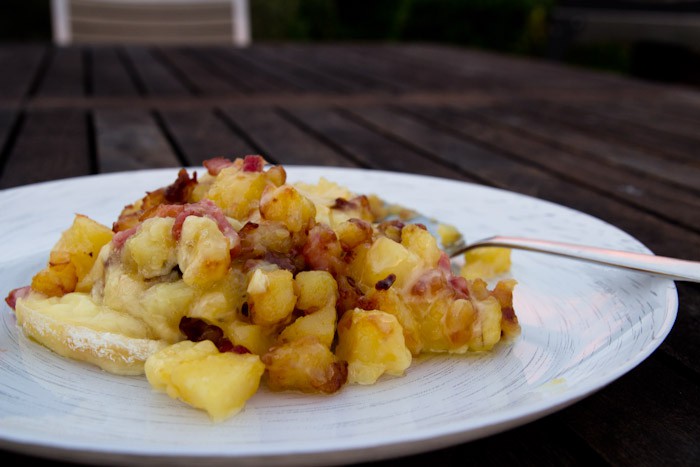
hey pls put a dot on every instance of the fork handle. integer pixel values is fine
(672, 268)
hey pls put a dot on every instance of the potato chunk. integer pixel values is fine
(197, 374)
(286, 205)
(72, 256)
(237, 192)
(304, 365)
(152, 248)
(203, 252)
(422, 243)
(318, 294)
(383, 258)
(486, 262)
(271, 296)
(372, 343)
(317, 289)
(257, 339)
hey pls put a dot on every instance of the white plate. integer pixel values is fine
(583, 326)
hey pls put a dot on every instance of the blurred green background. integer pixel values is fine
(509, 26)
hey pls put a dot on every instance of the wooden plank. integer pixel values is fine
(155, 77)
(131, 140)
(426, 74)
(52, 144)
(301, 81)
(282, 141)
(249, 77)
(366, 147)
(20, 66)
(203, 81)
(278, 55)
(9, 121)
(598, 126)
(333, 61)
(513, 175)
(65, 74)
(513, 73)
(110, 77)
(477, 161)
(647, 117)
(384, 63)
(203, 134)
(526, 116)
(568, 156)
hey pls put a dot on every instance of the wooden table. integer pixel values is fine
(622, 150)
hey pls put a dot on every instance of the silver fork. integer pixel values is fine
(672, 268)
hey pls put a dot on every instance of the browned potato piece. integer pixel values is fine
(72, 256)
(353, 232)
(286, 205)
(304, 365)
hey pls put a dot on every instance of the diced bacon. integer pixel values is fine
(322, 249)
(216, 165)
(444, 263)
(180, 190)
(207, 208)
(385, 283)
(239, 349)
(121, 237)
(20, 292)
(459, 285)
(253, 164)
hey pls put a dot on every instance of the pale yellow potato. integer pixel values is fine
(317, 289)
(320, 323)
(448, 234)
(199, 375)
(382, 258)
(159, 368)
(271, 296)
(372, 343)
(323, 194)
(203, 252)
(487, 331)
(486, 263)
(254, 337)
(163, 305)
(392, 301)
(422, 243)
(153, 247)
